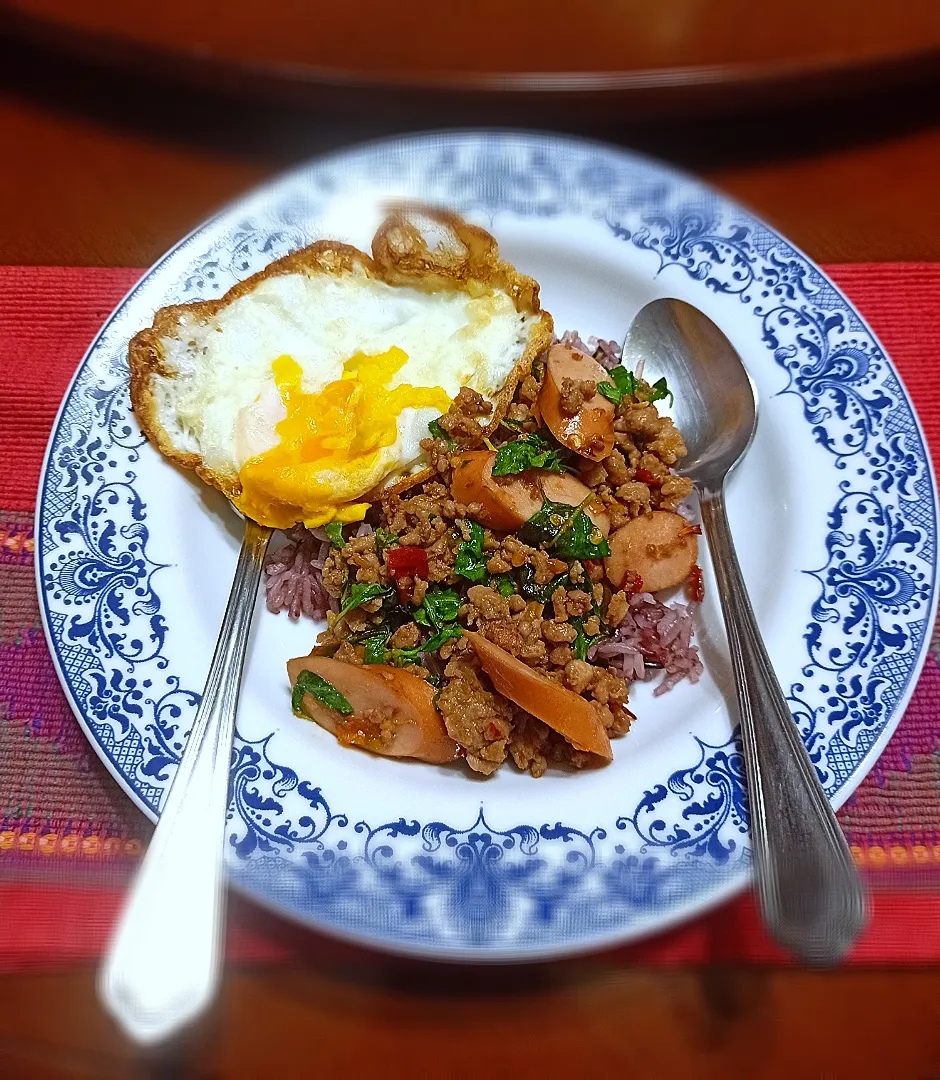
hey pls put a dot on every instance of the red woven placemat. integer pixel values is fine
(69, 837)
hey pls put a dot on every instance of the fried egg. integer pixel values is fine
(307, 389)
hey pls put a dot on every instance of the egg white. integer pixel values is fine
(224, 404)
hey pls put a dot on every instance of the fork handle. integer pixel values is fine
(162, 967)
(810, 893)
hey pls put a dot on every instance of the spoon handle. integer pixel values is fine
(162, 966)
(810, 892)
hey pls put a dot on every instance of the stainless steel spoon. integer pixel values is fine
(162, 967)
(810, 892)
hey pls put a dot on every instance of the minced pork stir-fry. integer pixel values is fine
(500, 610)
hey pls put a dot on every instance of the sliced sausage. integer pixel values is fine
(661, 548)
(376, 692)
(590, 431)
(508, 502)
(563, 710)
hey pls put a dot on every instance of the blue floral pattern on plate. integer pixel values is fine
(478, 886)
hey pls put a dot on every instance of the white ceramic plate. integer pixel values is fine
(833, 512)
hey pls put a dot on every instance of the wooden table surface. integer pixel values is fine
(681, 55)
(98, 170)
(101, 170)
(419, 39)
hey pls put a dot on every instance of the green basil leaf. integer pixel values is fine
(529, 452)
(334, 531)
(308, 682)
(624, 380)
(503, 584)
(446, 633)
(401, 657)
(581, 539)
(471, 562)
(514, 425)
(440, 606)
(564, 530)
(582, 642)
(375, 647)
(470, 565)
(384, 538)
(622, 384)
(362, 593)
(394, 613)
(609, 391)
(437, 432)
(529, 590)
(660, 390)
(546, 524)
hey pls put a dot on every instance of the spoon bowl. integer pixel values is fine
(810, 894)
(715, 404)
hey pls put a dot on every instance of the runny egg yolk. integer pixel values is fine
(331, 442)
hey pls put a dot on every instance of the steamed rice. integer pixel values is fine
(652, 637)
(294, 575)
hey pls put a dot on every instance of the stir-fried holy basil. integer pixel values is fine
(401, 657)
(529, 590)
(326, 693)
(437, 432)
(439, 606)
(503, 584)
(375, 646)
(334, 532)
(564, 530)
(622, 384)
(581, 539)
(377, 651)
(583, 642)
(513, 425)
(529, 452)
(545, 525)
(362, 593)
(471, 562)
(660, 390)
(446, 633)
(384, 538)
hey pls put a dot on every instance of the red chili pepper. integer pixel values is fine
(695, 585)
(493, 731)
(407, 561)
(646, 477)
(635, 586)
